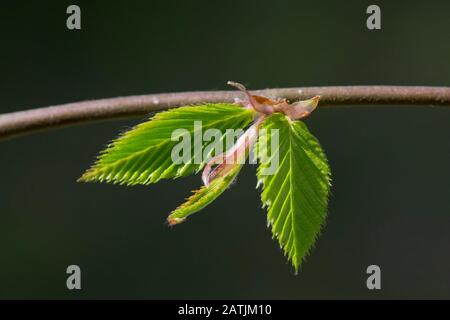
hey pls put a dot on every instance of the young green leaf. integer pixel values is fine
(204, 196)
(297, 193)
(143, 154)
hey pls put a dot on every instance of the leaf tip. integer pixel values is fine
(296, 263)
(174, 220)
(88, 176)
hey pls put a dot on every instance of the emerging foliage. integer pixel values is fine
(143, 154)
(293, 170)
(297, 193)
(203, 197)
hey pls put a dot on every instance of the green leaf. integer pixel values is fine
(204, 196)
(143, 154)
(296, 194)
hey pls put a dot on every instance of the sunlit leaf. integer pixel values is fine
(142, 155)
(296, 195)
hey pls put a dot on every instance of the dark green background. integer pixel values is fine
(390, 166)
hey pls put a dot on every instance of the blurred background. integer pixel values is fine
(390, 196)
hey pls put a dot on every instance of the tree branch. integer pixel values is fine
(24, 122)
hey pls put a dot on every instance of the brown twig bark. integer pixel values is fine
(29, 121)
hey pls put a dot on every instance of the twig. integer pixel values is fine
(24, 122)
